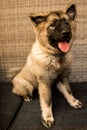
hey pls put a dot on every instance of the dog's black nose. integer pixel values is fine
(65, 33)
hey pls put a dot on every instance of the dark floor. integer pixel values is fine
(15, 114)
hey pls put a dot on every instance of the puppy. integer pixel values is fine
(49, 60)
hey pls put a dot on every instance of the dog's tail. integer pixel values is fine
(13, 72)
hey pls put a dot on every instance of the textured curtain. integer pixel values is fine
(17, 35)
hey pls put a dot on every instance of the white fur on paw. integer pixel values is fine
(27, 99)
(48, 122)
(76, 103)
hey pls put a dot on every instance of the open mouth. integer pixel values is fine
(61, 43)
(64, 46)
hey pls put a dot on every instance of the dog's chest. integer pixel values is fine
(55, 67)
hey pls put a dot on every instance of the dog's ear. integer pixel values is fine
(71, 11)
(37, 19)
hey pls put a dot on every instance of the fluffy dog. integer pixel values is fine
(49, 60)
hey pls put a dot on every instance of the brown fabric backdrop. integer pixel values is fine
(17, 36)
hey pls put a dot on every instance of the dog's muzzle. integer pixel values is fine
(66, 35)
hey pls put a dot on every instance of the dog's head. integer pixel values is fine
(55, 29)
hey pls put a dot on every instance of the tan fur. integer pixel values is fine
(42, 67)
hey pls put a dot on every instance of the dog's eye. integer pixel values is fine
(53, 25)
(66, 22)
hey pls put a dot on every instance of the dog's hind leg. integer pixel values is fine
(23, 88)
(65, 89)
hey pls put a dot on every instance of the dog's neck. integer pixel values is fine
(61, 57)
(39, 49)
(46, 48)
(52, 51)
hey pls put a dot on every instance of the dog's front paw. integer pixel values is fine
(48, 122)
(27, 98)
(76, 103)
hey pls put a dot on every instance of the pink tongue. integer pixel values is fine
(64, 46)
